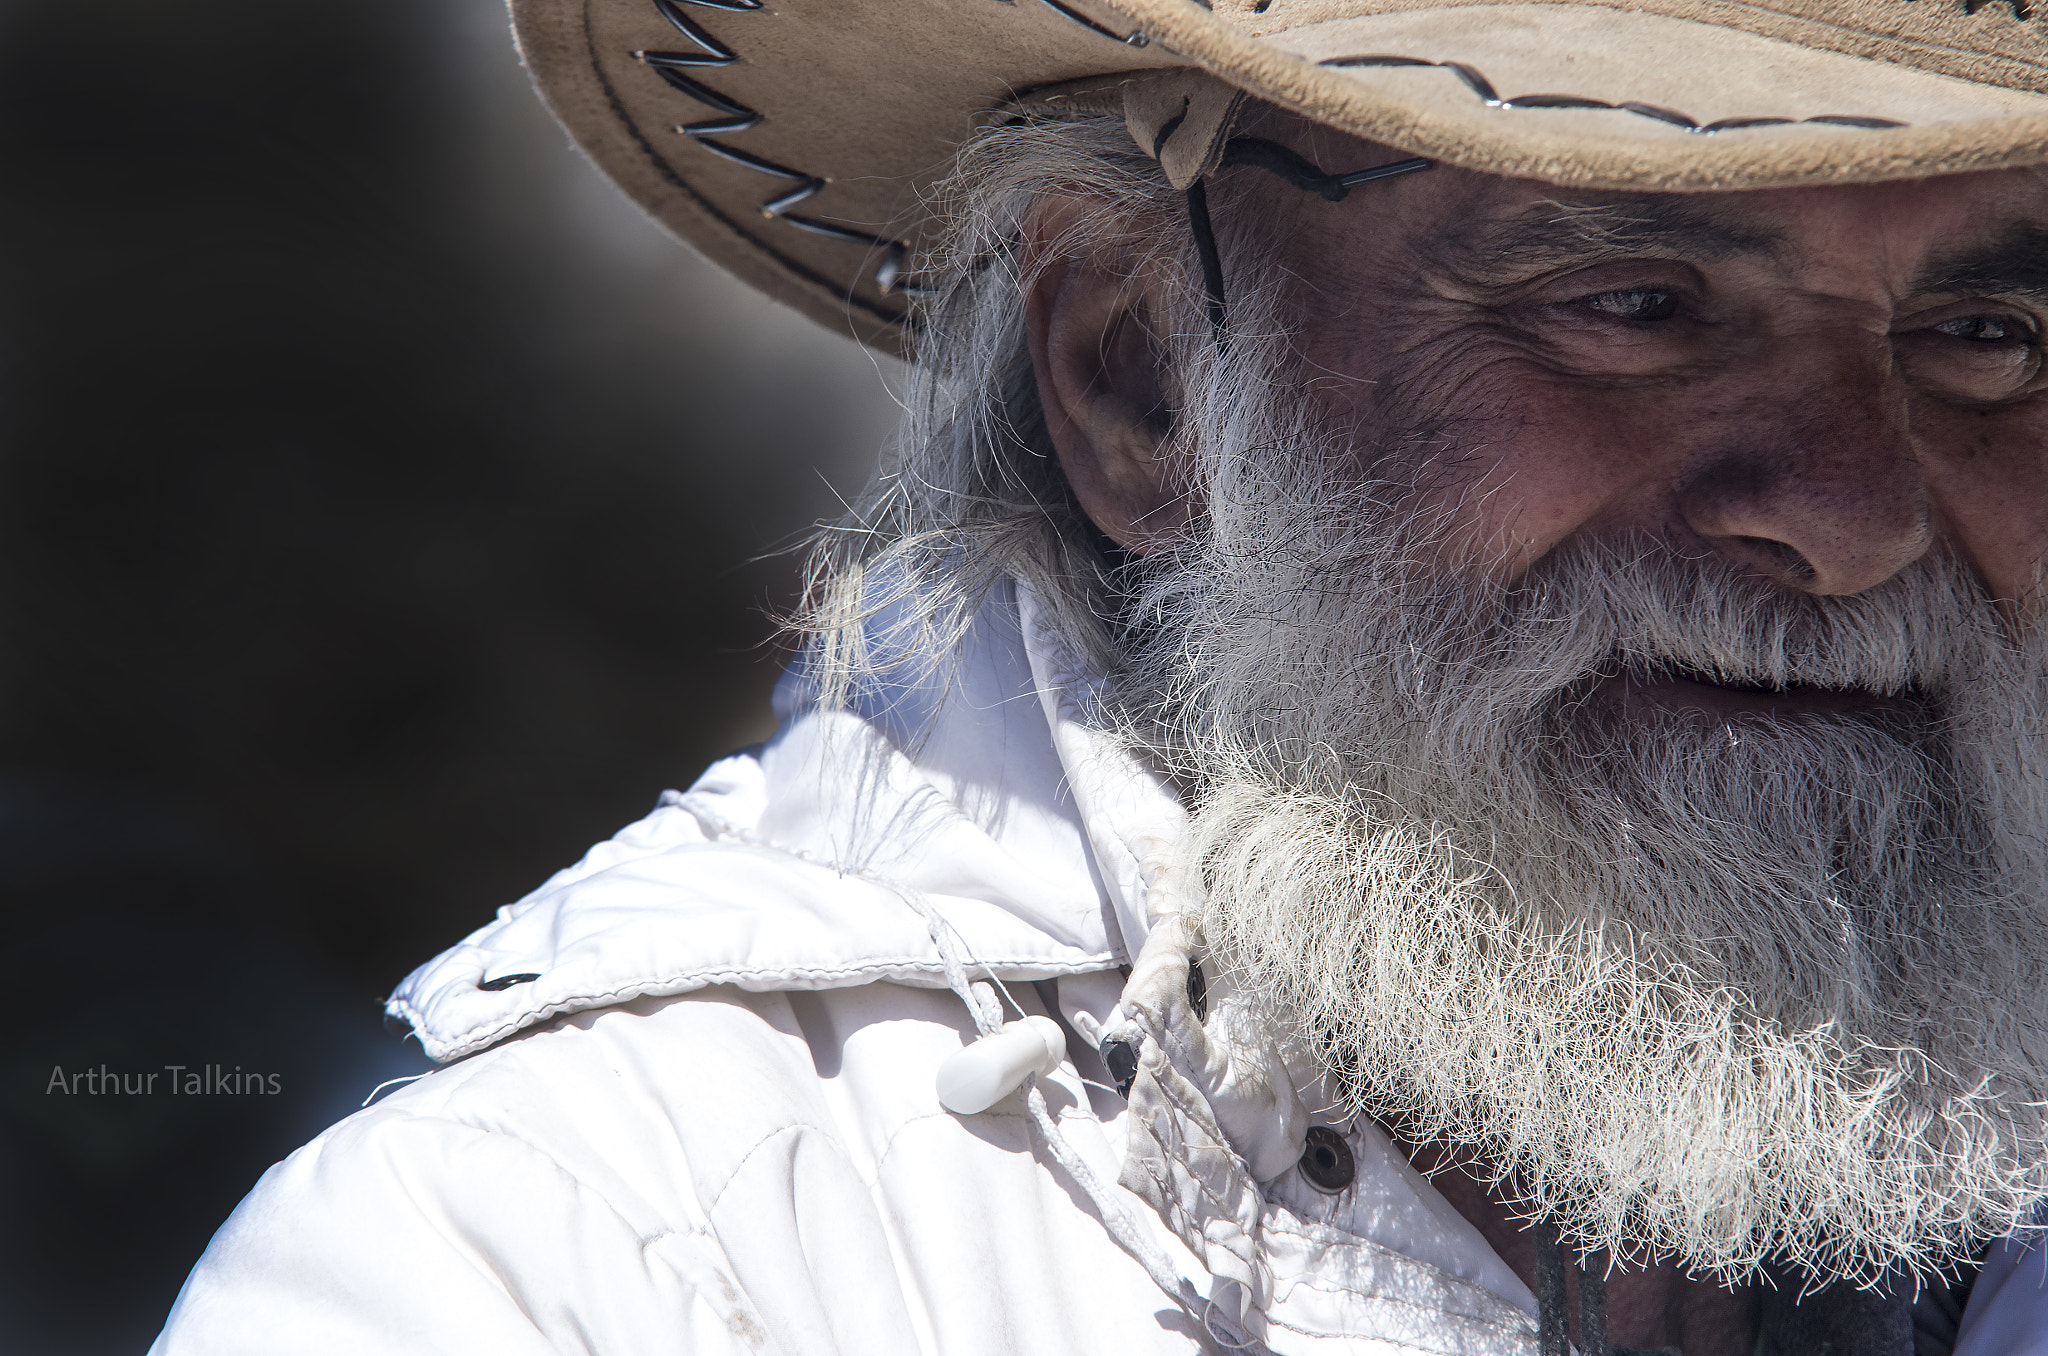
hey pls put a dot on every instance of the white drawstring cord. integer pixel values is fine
(988, 1019)
(1130, 1235)
(409, 1078)
(1248, 1344)
(1127, 1232)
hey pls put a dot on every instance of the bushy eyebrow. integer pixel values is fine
(2013, 262)
(1551, 234)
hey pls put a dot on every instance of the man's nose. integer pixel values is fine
(1820, 488)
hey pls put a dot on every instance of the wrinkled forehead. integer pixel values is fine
(1984, 231)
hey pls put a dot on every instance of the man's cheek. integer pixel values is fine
(1554, 462)
(1987, 472)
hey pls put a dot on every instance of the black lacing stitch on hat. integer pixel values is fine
(715, 53)
(738, 117)
(1275, 159)
(1135, 38)
(806, 185)
(1483, 87)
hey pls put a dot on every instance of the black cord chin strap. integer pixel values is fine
(1211, 259)
(1278, 160)
(1593, 1305)
(1552, 1337)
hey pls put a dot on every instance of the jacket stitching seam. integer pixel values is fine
(1221, 1206)
(699, 979)
(747, 837)
(725, 828)
(488, 1135)
(710, 1203)
(889, 1145)
(1437, 1306)
(1321, 1334)
(1217, 1145)
(1429, 1311)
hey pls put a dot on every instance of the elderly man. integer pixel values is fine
(1430, 741)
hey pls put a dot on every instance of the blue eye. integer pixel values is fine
(1636, 303)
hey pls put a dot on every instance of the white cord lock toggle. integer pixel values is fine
(975, 1078)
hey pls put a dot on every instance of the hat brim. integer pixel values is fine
(794, 142)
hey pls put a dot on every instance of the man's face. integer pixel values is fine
(1601, 641)
(1815, 384)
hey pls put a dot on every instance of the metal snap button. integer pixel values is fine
(1326, 1160)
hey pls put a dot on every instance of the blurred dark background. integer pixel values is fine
(386, 512)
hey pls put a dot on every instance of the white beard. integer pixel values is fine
(1768, 989)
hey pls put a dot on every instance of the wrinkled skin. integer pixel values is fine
(1818, 384)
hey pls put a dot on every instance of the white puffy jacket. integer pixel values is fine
(691, 1106)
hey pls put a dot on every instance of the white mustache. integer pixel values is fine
(1647, 610)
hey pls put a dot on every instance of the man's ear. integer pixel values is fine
(1101, 381)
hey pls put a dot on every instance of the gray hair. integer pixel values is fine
(971, 491)
(1754, 990)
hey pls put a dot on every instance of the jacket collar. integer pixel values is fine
(979, 786)
(983, 794)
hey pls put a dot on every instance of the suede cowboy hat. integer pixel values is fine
(794, 141)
